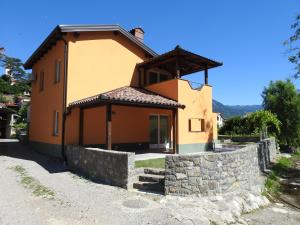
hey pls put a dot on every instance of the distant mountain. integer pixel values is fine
(234, 110)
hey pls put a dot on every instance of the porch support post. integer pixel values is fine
(108, 127)
(206, 76)
(81, 121)
(177, 68)
(174, 132)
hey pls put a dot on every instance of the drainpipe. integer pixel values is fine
(65, 84)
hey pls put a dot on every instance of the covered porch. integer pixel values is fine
(126, 119)
(174, 65)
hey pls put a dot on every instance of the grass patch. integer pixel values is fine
(272, 184)
(31, 183)
(283, 165)
(296, 155)
(152, 163)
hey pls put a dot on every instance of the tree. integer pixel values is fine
(252, 124)
(282, 99)
(2, 99)
(16, 72)
(14, 68)
(234, 126)
(16, 89)
(294, 46)
(263, 120)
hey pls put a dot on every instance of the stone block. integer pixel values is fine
(181, 176)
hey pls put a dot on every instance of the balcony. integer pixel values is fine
(174, 65)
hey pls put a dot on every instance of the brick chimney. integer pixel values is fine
(138, 32)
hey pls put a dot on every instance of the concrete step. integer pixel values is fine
(154, 171)
(149, 186)
(152, 178)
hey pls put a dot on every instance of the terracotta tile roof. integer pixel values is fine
(129, 95)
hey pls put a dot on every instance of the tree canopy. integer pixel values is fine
(14, 66)
(252, 124)
(16, 73)
(294, 46)
(282, 99)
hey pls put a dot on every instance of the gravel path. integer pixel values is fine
(77, 201)
(276, 214)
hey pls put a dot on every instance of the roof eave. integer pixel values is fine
(60, 29)
(103, 101)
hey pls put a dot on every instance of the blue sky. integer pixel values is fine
(246, 36)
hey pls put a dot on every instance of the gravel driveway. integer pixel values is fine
(26, 174)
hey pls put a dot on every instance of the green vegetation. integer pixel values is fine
(252, 124)
(15, 89)
(282, 168)
(21, 122)
(272, 185)
(282, 99)
(293, 44)
(31, 183)
(152, 163)
(3, 99)
(15, 81)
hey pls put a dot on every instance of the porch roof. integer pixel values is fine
(180, 59)
(5, 110)
(128, 96)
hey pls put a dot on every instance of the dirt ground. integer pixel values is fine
(38, 190)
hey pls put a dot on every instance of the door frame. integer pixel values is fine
(160, 145)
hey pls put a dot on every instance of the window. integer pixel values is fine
(196, 125)
(41, 81)
(55, 125)
(155, 77)
(163, 77)
(152, 78)
(57, 71)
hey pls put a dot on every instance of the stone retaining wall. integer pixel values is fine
(212, 173)
(267, 153)
(105, 166)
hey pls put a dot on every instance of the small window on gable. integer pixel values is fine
(55, 124)
(41, 81)
(196, 125)
(57, 71)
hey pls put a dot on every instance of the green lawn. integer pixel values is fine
(152, 163)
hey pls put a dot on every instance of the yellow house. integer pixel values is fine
(100, 85)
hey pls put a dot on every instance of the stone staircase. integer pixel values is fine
(151, 180)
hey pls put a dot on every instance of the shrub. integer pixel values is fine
(252, 124)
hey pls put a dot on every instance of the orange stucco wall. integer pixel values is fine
(129, 124)
(198, 104)
(72, 127)
(215, 128)
(100, 62)
(45, 102)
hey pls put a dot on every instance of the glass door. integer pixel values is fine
(159, 131)
(153, 131)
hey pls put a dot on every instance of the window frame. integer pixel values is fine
(202, 125)
(42, 81)
(56, 123)
(57, 71)
(158, 76)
